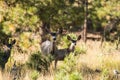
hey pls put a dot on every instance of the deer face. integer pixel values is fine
(11, 44)
(54, 34)
(73, 42)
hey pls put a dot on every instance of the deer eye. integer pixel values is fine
(53, 34)
(74, 41)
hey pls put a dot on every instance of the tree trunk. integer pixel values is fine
(85, 22)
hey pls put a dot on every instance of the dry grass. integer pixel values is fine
(101, 58)
(97, 57)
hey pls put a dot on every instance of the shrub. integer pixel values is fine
(69, 71)
(80, 50)
(39, 62)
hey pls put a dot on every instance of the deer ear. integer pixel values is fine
(69, 38)
(14, 41)
(60, 30)
(79, 37)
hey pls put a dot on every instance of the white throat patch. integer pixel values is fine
(53, 37)
(72, 46)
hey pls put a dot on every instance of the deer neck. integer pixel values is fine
(71, 48)
(53, 47)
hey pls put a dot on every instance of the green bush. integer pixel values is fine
(75, 76)
(68, 71)
(39, 62)
(80, 50)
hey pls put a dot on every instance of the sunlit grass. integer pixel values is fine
(111, 62)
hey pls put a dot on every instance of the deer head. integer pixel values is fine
(54, 34)
(73, 42)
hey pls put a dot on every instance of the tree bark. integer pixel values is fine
(85, 22)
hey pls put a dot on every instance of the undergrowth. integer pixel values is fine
(68, 71)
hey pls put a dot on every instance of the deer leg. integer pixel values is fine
(55, 63)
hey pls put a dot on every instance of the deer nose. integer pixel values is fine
(73, 44)
(54, 39)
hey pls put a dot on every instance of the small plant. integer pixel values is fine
(34, 75)
(105, 74)
(75, 76)
(64, 42)
(69, 71)
(80, 50)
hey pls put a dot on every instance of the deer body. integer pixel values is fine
(62, 53)
(49, 47)
(46, 47)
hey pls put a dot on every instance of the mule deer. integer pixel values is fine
(7, 51)
(49, 47)
(62, 53)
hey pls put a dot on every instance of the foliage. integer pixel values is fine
(105, 75)
(39, 62)
(21, 19)
(101, 12)
(68, 71)
(34, 75)
(19, 16)
(80, 50)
